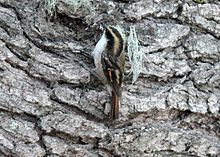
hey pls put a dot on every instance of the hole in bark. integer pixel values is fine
(179, 10)
(76, 23)
(2, 70)
(184, 114)
(78, 26)
(187, 148)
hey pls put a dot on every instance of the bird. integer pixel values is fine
(109, 59)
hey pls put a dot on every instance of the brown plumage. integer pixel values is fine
(109, 59)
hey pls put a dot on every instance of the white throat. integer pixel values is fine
(99, 48)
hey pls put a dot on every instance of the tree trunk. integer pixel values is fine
(52, 105)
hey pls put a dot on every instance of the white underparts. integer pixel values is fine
(99, 48)
(97, 53)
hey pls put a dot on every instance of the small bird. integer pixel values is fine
(109, 60)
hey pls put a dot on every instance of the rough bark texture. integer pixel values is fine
(51, 105)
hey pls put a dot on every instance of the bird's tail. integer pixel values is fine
(115, 105)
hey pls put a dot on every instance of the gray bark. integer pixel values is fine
(51, 105)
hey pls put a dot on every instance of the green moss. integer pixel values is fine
(135, 54)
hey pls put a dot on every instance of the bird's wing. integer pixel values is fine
(112, 71)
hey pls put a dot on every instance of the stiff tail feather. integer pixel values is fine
(115, 105)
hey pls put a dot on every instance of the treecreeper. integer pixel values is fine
(109, 60)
